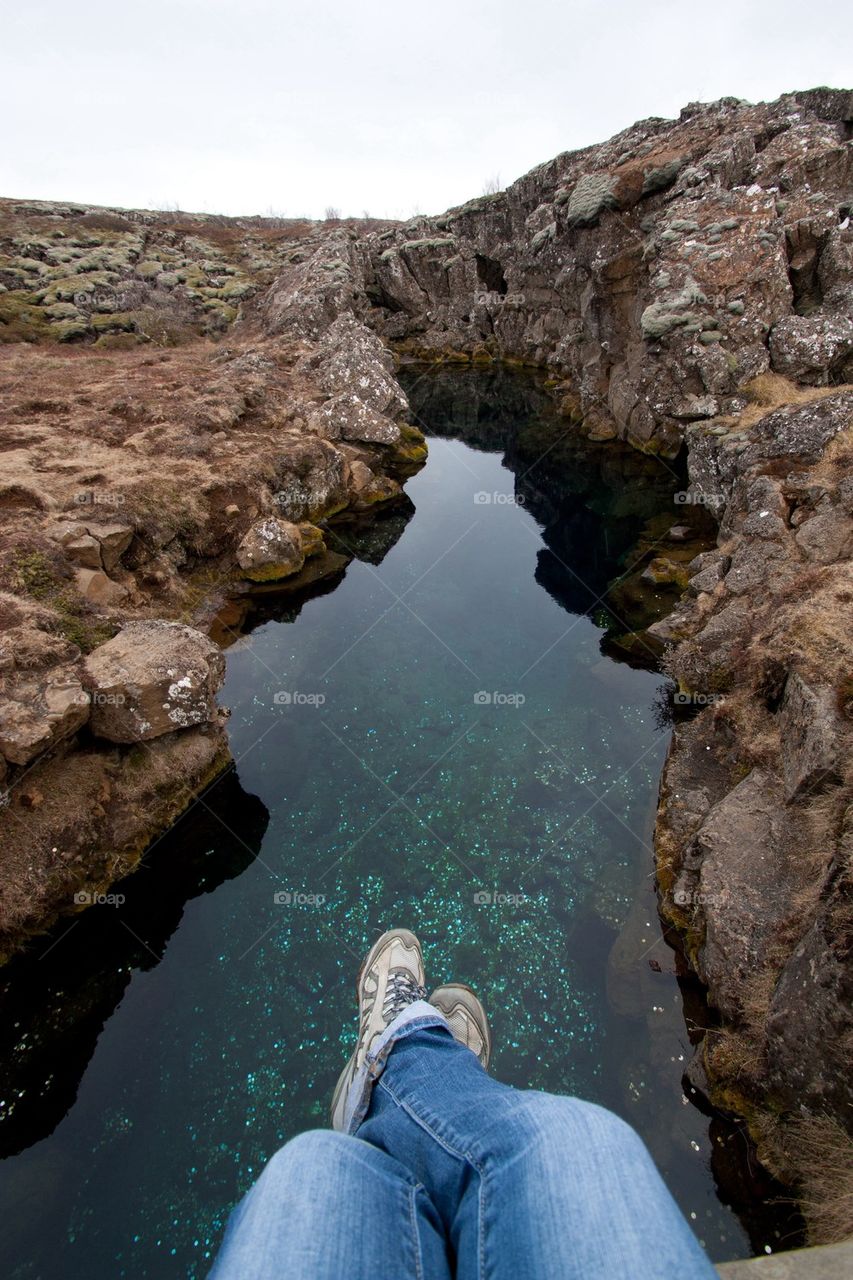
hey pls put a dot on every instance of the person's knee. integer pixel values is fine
(303, 1156)
(550, 1129)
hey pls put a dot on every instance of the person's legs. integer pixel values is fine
(527, 1185)
(329, 1206)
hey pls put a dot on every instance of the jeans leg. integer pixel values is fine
(328, 1206)
(528, 1185)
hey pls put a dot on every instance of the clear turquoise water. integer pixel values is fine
(157, 1055)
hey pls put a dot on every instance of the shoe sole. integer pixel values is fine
(467, 995)
(411, 943)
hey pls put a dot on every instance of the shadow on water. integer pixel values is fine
(150, 1045)
(56, 998)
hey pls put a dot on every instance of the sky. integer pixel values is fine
(386, 109)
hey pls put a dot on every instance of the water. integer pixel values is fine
(439, 741)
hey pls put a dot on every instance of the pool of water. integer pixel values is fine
(440, 741)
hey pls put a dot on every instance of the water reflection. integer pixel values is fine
(55, 999)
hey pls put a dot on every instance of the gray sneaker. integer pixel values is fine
(467, 1018)
(390, 978)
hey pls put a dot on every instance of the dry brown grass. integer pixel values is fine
(824, 1151)
(771, 391)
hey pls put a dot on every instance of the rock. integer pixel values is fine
(114, 539)
(827, 536)
(707, 579)
(347, 417)
(810, 1021)
(150, 679)
(662, 571)
(801, 431)
(313, 542)
(311, 480)
(811, 348)
(85, 551)
(271, 549)
(809, 737)
(739, 878)
(97, 588)
(39, 712)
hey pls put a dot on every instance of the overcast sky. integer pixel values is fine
(253, 106)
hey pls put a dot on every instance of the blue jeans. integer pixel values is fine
(451, 1174)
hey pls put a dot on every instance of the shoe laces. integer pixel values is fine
(401, 990)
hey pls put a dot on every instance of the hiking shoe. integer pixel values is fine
(390, 978)
(466, 1018)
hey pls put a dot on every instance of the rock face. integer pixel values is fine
(153, 678)
(656, 273)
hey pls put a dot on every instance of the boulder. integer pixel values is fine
(271, 549)
(96, 587)
(151, 679)
(84, 551)
(311, 480)
(114, 539)
(827, 536)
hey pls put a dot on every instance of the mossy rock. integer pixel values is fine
(63, 311)
(236, 290)
(20, 321)
(119, 341)
(66, 288)
(592, 194)
(69, 330)
(113, 320)
(150, 269)
(221, 311)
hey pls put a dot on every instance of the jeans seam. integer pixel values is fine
(460, 1155)
(413, 1215)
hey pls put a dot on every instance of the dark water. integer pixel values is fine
(154, 1056)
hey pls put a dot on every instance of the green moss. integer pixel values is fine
(113, 320)
(20, 320)
(119, 341)
(34, 574)
(149, 269)
(69, 330)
